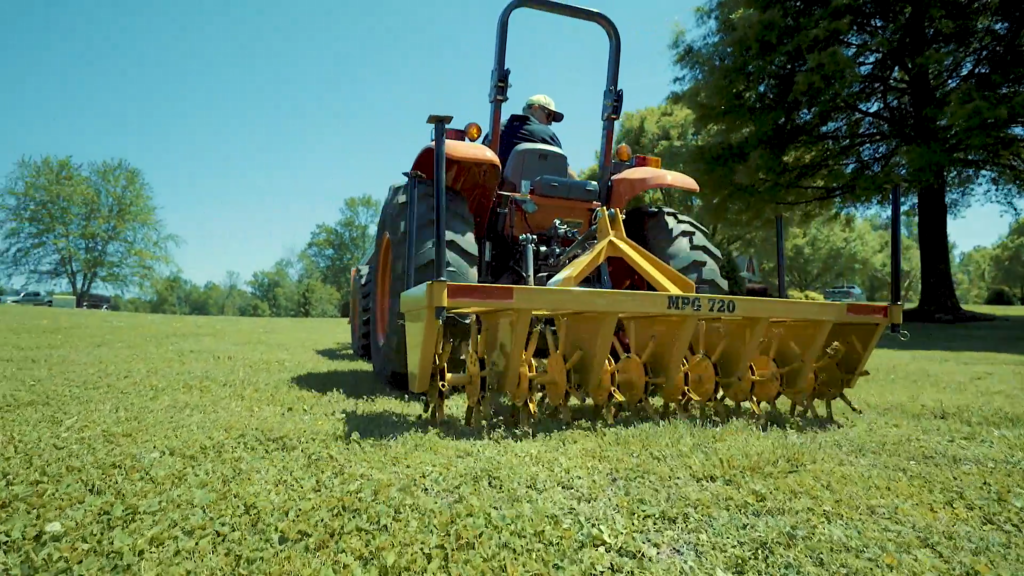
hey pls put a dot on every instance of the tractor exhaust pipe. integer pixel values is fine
(896, 255)
(440, 172)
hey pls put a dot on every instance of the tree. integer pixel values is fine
(973, 274)
(336, 248)
(170, 295)
(277, 289)
(236, 300)
(86, 225)
(666, 131)
(831, 251)
(318, 300)
(315, 298)
(838, 100)
(1008, 260)
(592, 172)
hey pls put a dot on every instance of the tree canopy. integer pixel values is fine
(335, 249)
(1008, 260)
(824, 247)
(88, 225)
(838, 100)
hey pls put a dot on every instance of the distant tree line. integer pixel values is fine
(823, 248)
(313, 284)
(94, 227)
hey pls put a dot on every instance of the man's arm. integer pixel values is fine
(487, 137)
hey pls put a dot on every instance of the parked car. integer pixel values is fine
(845, 293)
(30, 298)
(97, 302)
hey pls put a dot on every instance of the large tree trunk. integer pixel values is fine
(939, 302)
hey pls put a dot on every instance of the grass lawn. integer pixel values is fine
(159, 444)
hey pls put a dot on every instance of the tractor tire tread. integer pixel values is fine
(363, 315)
(682, 243)
(389, 358)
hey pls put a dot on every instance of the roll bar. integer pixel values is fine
(612, 107)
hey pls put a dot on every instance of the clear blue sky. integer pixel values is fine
(254, 119)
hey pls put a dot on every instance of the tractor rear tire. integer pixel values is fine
(387, 327)
(681, 242)
(359, 314)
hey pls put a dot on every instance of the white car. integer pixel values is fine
(845, 293)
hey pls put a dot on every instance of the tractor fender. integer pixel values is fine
(635, 181)
(472, 170)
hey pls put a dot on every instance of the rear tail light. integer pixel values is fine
(455, 134)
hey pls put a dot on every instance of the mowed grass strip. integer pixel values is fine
(161, 444)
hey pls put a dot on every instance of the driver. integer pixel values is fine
(532, 126)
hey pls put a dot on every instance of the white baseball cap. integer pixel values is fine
(546, 102)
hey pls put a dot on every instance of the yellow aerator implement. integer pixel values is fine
(679, 346)
(506, 276)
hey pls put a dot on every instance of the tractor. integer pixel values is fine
(473, 261)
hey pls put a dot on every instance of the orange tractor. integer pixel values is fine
(473, 260)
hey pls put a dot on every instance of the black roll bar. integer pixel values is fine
(612, 107)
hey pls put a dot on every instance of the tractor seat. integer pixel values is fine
(527, 162)
(566, 188)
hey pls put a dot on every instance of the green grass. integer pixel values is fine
(157, 444)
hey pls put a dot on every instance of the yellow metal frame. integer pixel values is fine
(684, 347)
(612, 242)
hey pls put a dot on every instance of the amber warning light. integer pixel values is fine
(471, 132)
(649, 161)
(623, 153)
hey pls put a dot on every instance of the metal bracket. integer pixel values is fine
(499, 85)
(434, 119)
(612, 108)
(528, 241)
(605, 277)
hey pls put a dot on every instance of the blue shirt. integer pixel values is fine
(522, 129)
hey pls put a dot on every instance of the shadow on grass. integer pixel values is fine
(1005, 336)
(351, 383)
(383, 425)
(502, 425)
(339, 355)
